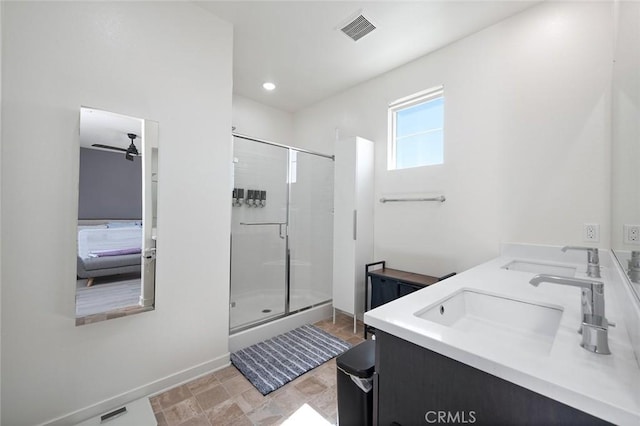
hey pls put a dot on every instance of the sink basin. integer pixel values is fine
(540, 268)
(493, 319)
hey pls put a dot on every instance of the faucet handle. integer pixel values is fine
(595, 334)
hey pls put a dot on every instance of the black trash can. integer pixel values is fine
(355, 385)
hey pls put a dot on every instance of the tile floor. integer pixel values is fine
(225, 397)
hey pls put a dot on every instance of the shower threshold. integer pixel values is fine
(267, 329)
(271, 318)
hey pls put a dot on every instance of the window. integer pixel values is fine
(416, 130)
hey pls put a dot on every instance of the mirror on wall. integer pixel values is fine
(117, 205)
(625, 210)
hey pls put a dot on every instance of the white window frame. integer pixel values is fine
(421, 97)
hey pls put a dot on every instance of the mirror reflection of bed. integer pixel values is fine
(108, 266)
(116, 245)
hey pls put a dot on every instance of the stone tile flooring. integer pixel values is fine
(225, 397)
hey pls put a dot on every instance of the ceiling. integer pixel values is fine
(298, 46)
(107, 128)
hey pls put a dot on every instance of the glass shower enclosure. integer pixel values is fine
(281, 231)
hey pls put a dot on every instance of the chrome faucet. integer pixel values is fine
(593, 260)
(592, 291)
(594, 327)
(634, 267)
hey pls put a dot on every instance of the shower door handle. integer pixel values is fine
(282, 234)
(263, 223)
(355, 225)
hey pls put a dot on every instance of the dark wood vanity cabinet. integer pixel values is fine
(386, 284)
(389, 284)
(416, 386)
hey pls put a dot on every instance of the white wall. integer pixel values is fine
(166, 61)
(260, 121)
(527, 139)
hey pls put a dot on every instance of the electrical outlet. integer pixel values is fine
(591, 232)
(631, 234)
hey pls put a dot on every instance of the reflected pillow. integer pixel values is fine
(133, 224)
(103, 226)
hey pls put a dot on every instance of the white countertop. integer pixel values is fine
(605, 386)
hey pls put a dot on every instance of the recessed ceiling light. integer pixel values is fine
(269, 86)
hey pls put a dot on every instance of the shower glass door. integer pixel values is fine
(258, 233)
(310, 230)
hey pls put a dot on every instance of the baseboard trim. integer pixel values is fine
(150, 389)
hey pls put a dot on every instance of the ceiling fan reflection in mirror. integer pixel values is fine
(129, 153)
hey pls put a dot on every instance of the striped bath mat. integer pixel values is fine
(275, 362)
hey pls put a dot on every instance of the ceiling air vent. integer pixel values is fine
(357, 27)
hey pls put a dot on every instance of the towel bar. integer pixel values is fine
(441, 198)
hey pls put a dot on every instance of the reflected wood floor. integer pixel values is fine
(109, 297)
(225, 397)
(107, 294)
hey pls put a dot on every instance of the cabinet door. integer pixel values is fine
(415, 385)
(382, 291)
(352, 222)
(363, 216)
(405, 288)
(344, 233)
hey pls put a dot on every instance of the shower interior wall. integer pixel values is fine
(254, 169)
